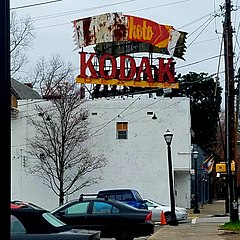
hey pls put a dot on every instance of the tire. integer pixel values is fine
(124, 235)
(167, 216)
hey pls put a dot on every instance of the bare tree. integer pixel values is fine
(48, 74)
(62, 157)
(21, 36)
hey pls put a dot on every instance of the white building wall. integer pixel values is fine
(23, 185)
(139, 162)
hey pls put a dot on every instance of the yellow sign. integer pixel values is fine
(222, 167)
(132, 83)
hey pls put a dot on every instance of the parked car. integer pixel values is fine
(24, 204)
(113, 218)
(157, 208)
(129, 196)
(28, 223)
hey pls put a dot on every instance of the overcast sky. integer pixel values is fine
(201, 19)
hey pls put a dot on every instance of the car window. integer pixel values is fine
(138, 196)
(78, 208)
(113, 196)
(102, 207)
(120, 195)
(16, 225)
(127, 196)
(53, 220)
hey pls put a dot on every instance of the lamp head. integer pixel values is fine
(168, 135)
(154, 117)
(195, 154)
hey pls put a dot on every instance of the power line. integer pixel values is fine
(103, 6)
(157, 6)
(114, 118)
(208, 21)
(137, 119)
(49, 16)
(200, 61)
(35, 4)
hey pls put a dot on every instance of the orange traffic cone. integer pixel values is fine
(163, 219)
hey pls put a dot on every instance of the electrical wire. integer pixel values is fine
(218, 68)
(113, 118)
(157, 6)
(50, 16)
(209, 21)
(35, 4)
(132, 121)
(237, 44)
(88, 9)
(102, 126)
(200, 61)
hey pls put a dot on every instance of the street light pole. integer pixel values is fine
(173, 219)
(196, 207)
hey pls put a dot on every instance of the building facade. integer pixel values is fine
(130, 133)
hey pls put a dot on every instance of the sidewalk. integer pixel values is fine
(215, 209)
(204, 225)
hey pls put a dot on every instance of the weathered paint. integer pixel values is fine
(117, 27)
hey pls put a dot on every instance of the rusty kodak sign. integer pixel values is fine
(126, 72)
(109, 68)
(117, 27)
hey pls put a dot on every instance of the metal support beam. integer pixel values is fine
(5, 119)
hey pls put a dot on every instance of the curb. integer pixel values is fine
(223, 232)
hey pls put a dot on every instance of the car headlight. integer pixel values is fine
(96, 236)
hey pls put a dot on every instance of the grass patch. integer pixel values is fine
(235, 226)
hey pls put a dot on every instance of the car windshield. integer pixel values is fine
(154, 203)
(53, 220)
(138, 196)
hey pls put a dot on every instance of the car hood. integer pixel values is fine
(167, 208)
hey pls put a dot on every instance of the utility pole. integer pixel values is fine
(230, 129)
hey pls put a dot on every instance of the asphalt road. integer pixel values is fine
(157, 227)
(206, 228)
(192, 229)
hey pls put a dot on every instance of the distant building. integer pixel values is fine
(20, 91)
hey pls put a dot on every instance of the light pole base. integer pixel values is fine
(173, 221)
(196, 210)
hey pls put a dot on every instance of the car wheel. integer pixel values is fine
(167, 217)
(124, 235)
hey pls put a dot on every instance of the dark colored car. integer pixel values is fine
(113, 218)
(127, 195)
(28, 223)
(23, 204)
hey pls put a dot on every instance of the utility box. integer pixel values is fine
(233, 166)
(221, 167)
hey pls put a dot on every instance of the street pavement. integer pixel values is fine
(203, 226)
(199, 226)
